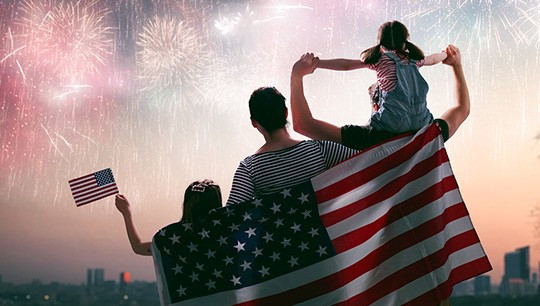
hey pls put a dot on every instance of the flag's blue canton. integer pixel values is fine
(244, 244)
(104, 177)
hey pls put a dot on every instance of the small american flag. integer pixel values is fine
(386, 227)
(92, 187)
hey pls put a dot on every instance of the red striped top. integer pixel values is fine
(386, 71)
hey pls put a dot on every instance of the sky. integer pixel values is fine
(158, 91)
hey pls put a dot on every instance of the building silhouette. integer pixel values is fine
(516, 278)
(99, 277)
(482, 285)
(124, 279)
(89, 278)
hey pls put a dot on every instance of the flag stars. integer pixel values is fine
(275, 208)
(293, 261)
(291, 211)
(234, 227)
(192, 247)
(257, 252)
(199, 266)
(279, 222)
(236, 280)
(268, 237)
(275, 256)
(239, 246)
(174, 239)
(177, 269)
(229, 212)
(250, 232)
(263, 220)
(246, 265)
(264, 271)
(246, 216)
(306, 214)
(204, 234)
(303, 246)
(194, 277)
(257, 202)
(313, 232)
(303, 198)
(187, 226)
(295, 227)
(286, 193)
(167, 250)
(222, 240)
(211, 284)
(286, 242)
(210, 254)
(217, 273)
(183, 259)
(181, 291)
(228, 260)
(216, 222)
(321, 251)
(162, 232)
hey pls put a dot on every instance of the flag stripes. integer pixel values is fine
(92, 187)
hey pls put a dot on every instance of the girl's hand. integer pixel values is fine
(122, 204)
(453, 56)
(305, 65)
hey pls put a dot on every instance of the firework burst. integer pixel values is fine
(69, 40)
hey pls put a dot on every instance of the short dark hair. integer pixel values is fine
(267, 107)
(200, 198)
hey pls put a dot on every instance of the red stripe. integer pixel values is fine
(100, 197)
(361, 177)
(93, 189)
(82, 177)
(386, 191)
(373, 259)
(398, 211)
(83, 182)
(75, 190)
(457, 275)
(413, 271)
(96, 193)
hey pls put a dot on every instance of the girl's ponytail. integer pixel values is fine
(371, 55)
(414, 52)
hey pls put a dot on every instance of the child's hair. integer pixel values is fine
(200, 197)
(392, 35)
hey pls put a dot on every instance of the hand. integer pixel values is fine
(305, 65)
(453, 56)
(122, 204)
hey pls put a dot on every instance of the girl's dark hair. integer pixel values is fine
(200, 197)
(267, 107)
(392, 35)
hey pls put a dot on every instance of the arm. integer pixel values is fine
(303, 121)
(341, 64)
(433, 59)
(457, 114)
(242, 188)
(139, 247)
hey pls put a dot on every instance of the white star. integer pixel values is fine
(174, 239)
(199, 266)
(228, 260)
(204, 234)
(303, 246)
(182, 258)
(293, 261)
(306, 214)
(216, 222)
(250, 232)
(268, 237)
(162, 232)
(313, 232)
(257, 252)
(228, 212)
(222, 240)
(236, 280)
(275, 208)
(246, 216)
(286, 193)
(192, 247)
(279, 222)
(264, 271)
(304, 198)
(217, 273)
(177, 269)
(194, 277)
(210, 253)
(187, 226)
(246, 265)
(286, 242)
(262, 220)
(257, 202)
(211, 284)
(181, 291)
(234, 227)
(295, 227)
(275, 256)
(321, 251)
(239, 246)
(167, 250)
(291, 211)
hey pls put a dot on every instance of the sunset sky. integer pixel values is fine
(97, 94)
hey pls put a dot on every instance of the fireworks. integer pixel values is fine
(69, 40)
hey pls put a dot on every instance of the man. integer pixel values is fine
(361, 137)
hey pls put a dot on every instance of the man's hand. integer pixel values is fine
(122, 204)
(305, 65)
(453, 57)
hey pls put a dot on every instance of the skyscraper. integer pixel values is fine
(124, 279)
(89, 281)
(99, 277)
(482, 285)
(516, 272)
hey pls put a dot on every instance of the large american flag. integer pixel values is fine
(92, 187)
(386, 227)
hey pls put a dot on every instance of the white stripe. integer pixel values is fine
(374, 212)
(75, 184)
(379, 182)
(95, 197)
(361, 161)
(427, 282)
(79, 195)
(393, 264)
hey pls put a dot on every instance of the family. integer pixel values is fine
(398, 101)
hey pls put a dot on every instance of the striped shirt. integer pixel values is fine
(269, 172)
(386, 71)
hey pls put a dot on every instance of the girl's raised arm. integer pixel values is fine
(435, 58)
(341, 64)
(139, 247)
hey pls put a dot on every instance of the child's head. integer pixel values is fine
(392, 35)
(200, 197)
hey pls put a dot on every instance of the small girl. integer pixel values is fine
(199, 198)
(401, 90)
